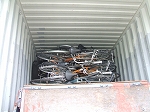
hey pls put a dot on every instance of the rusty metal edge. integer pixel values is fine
(86, 85)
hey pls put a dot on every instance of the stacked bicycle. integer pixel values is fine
(76, 65)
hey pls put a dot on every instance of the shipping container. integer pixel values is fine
(29, 27)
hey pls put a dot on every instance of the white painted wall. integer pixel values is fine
(16, 53)
(134, 47)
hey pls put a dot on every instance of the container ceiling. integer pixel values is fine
(96, 23)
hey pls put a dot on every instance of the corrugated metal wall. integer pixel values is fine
(17, 50)
(96, 23)
(133, 48)
(16, 53)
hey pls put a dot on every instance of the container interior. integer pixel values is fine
(30, 27)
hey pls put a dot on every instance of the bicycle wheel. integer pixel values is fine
(112, 67)
(44, 56)
(52, 68)
(105, 79)
(114, 76)
(46, 81)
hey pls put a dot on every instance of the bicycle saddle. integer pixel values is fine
(74, 50)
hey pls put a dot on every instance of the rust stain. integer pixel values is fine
(122, 104)
(144, 83)
(26, 108)
(33, 107)
(122, 97)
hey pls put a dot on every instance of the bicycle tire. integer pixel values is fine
(50, 68)
(45, 81)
